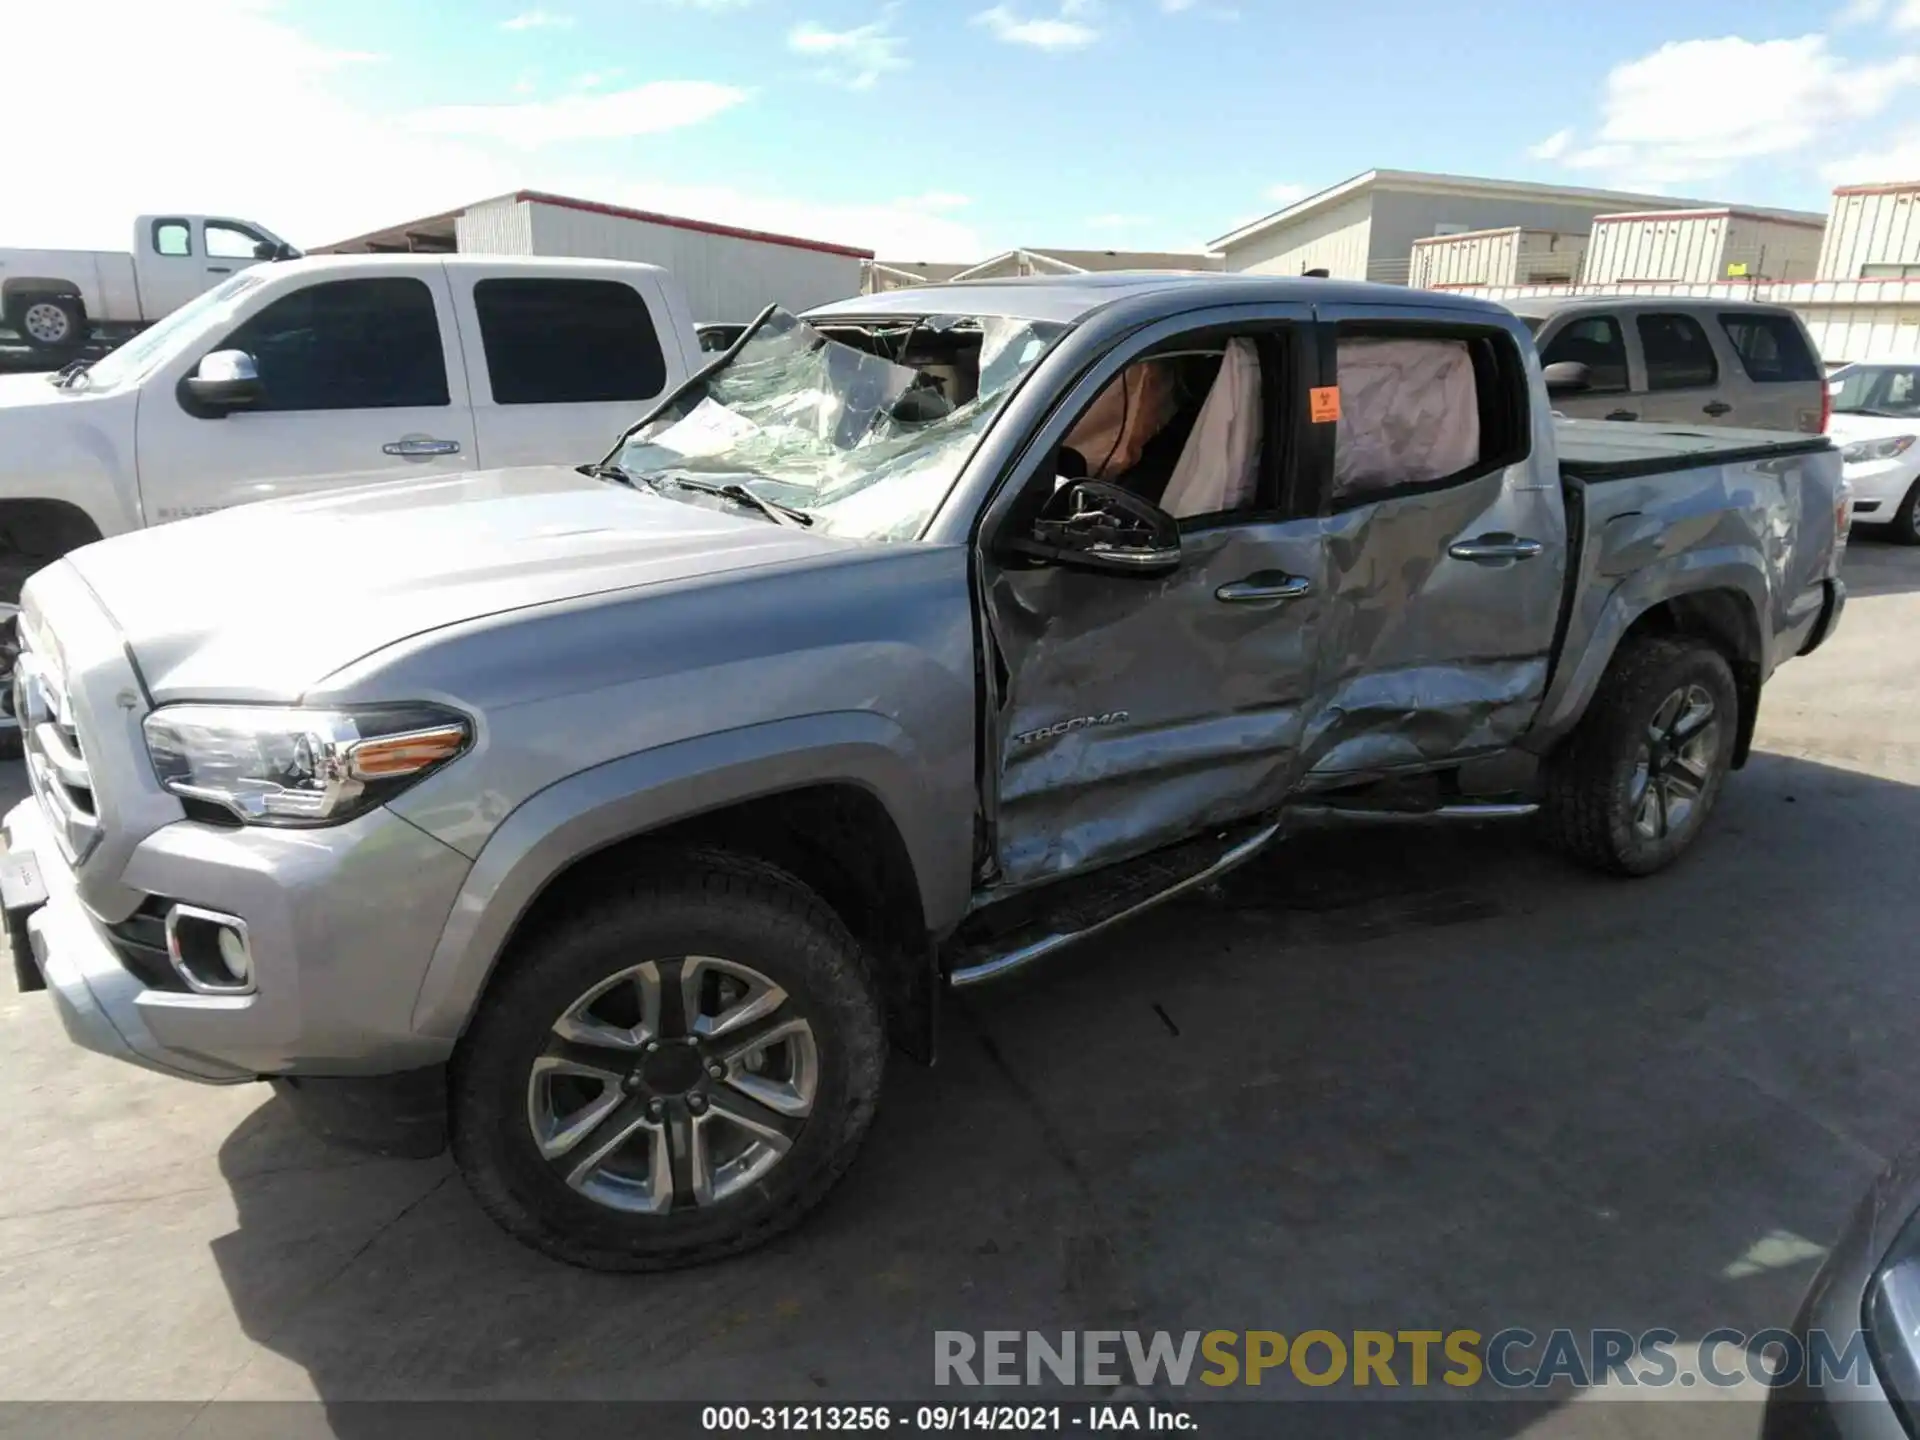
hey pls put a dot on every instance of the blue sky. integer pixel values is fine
(945, 130)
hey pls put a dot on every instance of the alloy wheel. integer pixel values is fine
(672, 1084)
(1675, 763)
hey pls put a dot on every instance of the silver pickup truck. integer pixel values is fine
(614, 820)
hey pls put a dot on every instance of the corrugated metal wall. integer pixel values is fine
(1871, 226)
(496, 227)
(1495, 257)
(1662, 247)
(1335, 240)
(725, 277)
(1772, 249)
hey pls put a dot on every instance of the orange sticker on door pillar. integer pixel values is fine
(1323, 403)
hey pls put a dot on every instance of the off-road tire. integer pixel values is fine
(1588, 809)
(698, 903)
(1905, 525)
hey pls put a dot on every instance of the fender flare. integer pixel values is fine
(1696, 574)
(629, 797)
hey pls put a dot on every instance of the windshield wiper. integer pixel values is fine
(739, 494)
(67, 374)
(772, 509)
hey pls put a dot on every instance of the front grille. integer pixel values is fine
(56, 762)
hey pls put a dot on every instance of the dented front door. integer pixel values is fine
(1138, 712)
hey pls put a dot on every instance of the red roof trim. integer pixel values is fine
(1730, 212)
(1892, 188)
(704, 227)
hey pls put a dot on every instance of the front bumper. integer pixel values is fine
(1880, 485)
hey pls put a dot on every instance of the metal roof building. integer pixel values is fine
(729, 273)
(1364, 228)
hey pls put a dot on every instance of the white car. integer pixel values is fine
(1876, 424)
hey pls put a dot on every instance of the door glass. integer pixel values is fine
(559, 342)
(1771, 348)
(1595, 342)
(1679, 355)
(172, 237)
(231, 242)
(348, 345)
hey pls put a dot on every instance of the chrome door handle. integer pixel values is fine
(416, 449)
(1266, 586)
(1495, 549)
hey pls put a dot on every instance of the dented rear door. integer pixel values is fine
(1444, 580)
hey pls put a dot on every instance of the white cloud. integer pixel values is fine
(1287, 194)
(330, 166)
(855, 58)
(1069, 28)
(1688, 111)
(639, 110)
(537, 20)
(1897, 160)
(1553, 147)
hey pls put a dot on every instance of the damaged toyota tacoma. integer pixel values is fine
(616, 822)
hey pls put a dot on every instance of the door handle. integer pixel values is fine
(219, 269)
(1495, 549)
(1716, 407)
(1624, 415)
(421, 449)
(1267, 585)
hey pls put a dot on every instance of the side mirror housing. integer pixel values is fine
(1099, 526)
(225, 380)
(1568, 377)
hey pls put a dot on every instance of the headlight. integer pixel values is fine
(1863, 450)
(275, 765)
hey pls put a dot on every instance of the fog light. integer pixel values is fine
(210, 951)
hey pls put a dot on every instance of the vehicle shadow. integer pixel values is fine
(1382, 1080)
(1878, 565)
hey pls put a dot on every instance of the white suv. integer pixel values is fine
(1876, 423)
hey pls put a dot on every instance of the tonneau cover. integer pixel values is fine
(1610, 450)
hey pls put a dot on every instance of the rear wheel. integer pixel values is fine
(50, 322)
(1632, 787)
(1906, 520)
(677, 1072)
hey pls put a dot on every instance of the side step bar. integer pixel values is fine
(992, 966)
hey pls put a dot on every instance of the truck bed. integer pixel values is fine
(1597, 450)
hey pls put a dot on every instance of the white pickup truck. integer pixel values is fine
(330, 371)
(59, 299)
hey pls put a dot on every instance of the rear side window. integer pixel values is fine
(172, 237)
(1424, 410)
(1595, 342)
(348, 345)
(1771, 348)
(561, 342)
(1679, 355)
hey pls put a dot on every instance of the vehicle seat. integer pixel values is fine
(1220, 465)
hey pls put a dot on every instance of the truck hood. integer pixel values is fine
(264, 601)
(33, 388)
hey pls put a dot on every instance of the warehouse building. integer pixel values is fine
(1703, 245)
(1873, 233)
(729, 274)
(1364, 228)
(1032, 260)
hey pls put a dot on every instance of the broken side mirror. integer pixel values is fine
(1097, 525)
(1567, 377)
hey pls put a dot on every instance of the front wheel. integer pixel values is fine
(1632, 787)
(676, 1072)
(51, 322)
(1906, 520)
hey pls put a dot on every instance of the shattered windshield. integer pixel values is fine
(863, 426)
